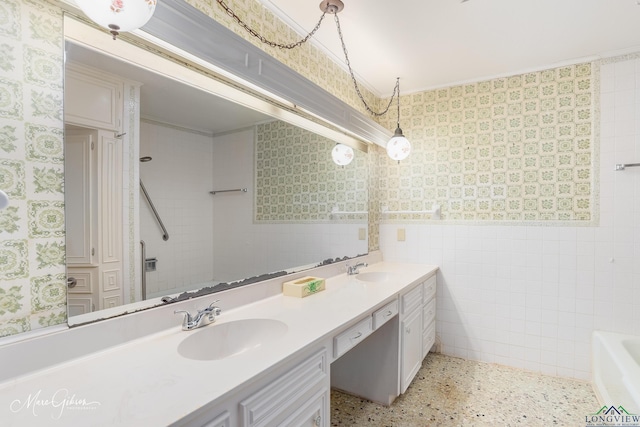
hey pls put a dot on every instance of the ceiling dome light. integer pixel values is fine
(398, 147)
(118, 15)
(342, 154)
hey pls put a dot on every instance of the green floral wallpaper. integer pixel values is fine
(510, 149)
(297, 181)
(32, 279)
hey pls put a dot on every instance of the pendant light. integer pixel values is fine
(118, 15)
(398, 147)
(342, 154)
(128, 15)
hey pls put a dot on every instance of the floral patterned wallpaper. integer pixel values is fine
(297, 181)
(509, 149)
(32, 274)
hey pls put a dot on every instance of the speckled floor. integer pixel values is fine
(449, 391)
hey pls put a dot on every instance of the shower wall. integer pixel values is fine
(214, 237)
(178, 180)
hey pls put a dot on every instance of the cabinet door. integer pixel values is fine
(92, 98)
(223, 420)
(313, 414)
(411, 337)
(291, 390)
(80, 196)
(81, 298)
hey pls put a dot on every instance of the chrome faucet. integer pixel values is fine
(353, 269)
(203, 318)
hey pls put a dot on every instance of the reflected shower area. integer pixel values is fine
(200, 191)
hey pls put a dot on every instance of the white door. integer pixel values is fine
(80, 219)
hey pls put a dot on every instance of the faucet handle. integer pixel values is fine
(187, 318)
(187, 315)
(213, 309)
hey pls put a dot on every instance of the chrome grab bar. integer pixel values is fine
(143, 271)
(622, 166)
(165, 235)
(244, 190)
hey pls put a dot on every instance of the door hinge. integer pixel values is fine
(93, 251)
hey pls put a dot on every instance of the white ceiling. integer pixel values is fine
(168, 101)
(435, 43)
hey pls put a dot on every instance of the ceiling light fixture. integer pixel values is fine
(118, 15)
(398, 146)
(127, 15)
(342, 154)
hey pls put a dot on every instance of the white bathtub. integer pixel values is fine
(616, 370)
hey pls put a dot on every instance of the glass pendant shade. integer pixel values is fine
(398, 147)
(342, 154)
(118, 15)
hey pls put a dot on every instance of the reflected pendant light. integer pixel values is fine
(342, 154)
(118, 15)
(398, 147)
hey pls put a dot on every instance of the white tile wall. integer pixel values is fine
(231, 246)
(178, 180)
(530, 297)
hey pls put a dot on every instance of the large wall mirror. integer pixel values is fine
(175, 182)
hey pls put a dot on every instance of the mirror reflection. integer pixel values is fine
(231, 193)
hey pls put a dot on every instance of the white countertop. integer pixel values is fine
(147, 382)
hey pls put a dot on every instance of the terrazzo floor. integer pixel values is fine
(450, 391)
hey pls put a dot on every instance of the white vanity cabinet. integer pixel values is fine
(222, 420)
(410, 336)
(428, 315)
(291, 396)
(297, 397)
(418, 333)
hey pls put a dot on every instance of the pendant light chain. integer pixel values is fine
(398, 86)
(264, 40)
(396, 89)
(254, 33)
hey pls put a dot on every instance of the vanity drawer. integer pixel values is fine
(429, 312)
(429, 288)
(411, 300)
(428, 338)
(382, 316)
(351, 337)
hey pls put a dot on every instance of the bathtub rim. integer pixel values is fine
(612, 342)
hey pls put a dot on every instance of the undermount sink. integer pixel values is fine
(223, 340)
(373, 276)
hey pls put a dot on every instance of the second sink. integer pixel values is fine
(373, 276)
(223, 340)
